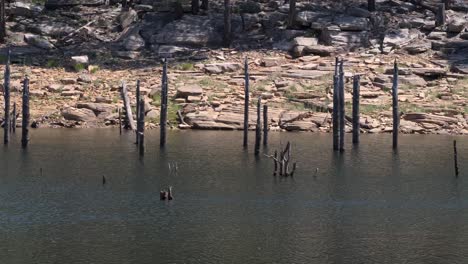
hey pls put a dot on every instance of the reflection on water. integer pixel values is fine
(365, 206)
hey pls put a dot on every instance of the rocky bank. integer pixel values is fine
(77, 55)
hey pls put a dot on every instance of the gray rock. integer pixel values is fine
(55, 29)
(97, 108)
(400, 37)
(25, 9)
(273, 20)
(305, 41)
(319, 50)
(134, 42)
(217, 68)
(358, 12)
(189, 90)
(126, 18)
(152, 114)
(52, 4)
(169, 50)
(85, 78)
(75, 114)
(456, 24)
(349, 23)
(38, 41)
(305, 18)
(130, 55)
(80, 60)
(143, 8)
(347, 40)
(300, 125)
(192, 31)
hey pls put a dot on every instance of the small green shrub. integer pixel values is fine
(79, 67)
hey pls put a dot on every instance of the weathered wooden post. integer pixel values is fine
(342, 106)
(137, 108)
(13, 119)
(120, 121)
(6, 93)
(128, 108)
(275, 159)
(163, 115)
(455, 157)
(440, 15)
(26, 115)
(371, 5)
(265, 125)
(258, 128)
(396, 116)
(335, 120)
(246, 102)
(141, 127)
(356, 92)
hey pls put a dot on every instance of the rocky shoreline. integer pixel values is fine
(77, 63)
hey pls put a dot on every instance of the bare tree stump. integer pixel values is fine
(335, 114)
(137, 108)
(342, 106)
(141, 127)
(13, 119)
(455, 158)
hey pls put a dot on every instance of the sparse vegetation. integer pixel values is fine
(79, 67)
(186, 66)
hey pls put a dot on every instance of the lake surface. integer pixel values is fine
(368, 205)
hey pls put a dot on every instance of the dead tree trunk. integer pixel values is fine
(396, 116)
(455, 158)
(137, 108)
(342, 106)
(163, 114)
(284, 160)
(371, 5)
(195, 6)
(440, 15)
(292, 13)
(13, 119)
(265, 125)
(120, 121)
(258, 128)
(204, 5)
(356, 92)
(2, 22)
(141, 127)
(335, 120)
(128, 109)
(6, 93)
(246, 102)
(26, 115)
(227, 23)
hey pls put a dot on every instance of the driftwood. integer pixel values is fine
(396, 116)
(128, 108)
(356, 92)
(26, 114)
(246, 102)
(283, 162)
(6, 94)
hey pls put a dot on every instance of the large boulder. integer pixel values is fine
(74, 114)
(400, 37)
(347, 40)
(456, 24)
(134, 42)
(191, 30)
(97, 108)
(38, 41)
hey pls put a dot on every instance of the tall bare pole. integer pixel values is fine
(356, 92)
(163, 115)
(335, 114)
(342, 106)
(2, 22)
(258, 128)
(396, 116)
(246, 102)
(6, 93)
(26, 114)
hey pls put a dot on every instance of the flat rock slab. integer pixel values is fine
(75, 114)
(189, 90)
(305, 74)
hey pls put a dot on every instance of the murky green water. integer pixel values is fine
(368, 205)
